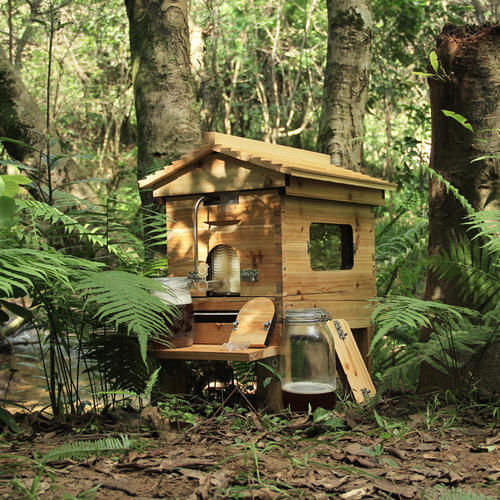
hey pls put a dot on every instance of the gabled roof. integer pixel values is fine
(291, 161)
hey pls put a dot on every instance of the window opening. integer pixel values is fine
(331, 246)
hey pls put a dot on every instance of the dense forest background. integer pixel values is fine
(257, 71)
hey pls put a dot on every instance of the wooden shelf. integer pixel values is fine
(214, 352)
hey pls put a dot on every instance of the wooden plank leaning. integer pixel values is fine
(351, 360)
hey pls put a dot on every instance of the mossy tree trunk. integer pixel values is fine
(345, 90)
(167, 117)
(20, 117)
(469, 85)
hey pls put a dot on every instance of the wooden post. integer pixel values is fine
(268, 394)
(172, 377)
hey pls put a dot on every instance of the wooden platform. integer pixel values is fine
(214, 352)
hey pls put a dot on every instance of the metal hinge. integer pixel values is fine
(308, 244)
(235, 324)
(340, 331)
(267, 325)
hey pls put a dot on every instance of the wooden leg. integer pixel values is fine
(172, 377)
(268, 384)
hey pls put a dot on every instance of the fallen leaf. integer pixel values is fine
(395, 452)
(493, 440)
(115, 484)
(427, 438)
(394, 489)
(355, 449)
(104, 466)
(416, 478)
(330, 484)
(355, 494)
(427, 447)
(193, 474)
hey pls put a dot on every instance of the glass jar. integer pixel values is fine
(307, 362)
(180, 325)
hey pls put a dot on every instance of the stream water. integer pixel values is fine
(22, 378)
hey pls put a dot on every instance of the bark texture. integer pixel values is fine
(346, 82)
(167, 118)
(470, 86)
(20, 116)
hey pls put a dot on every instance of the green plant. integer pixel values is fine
(390, 428)
(80, 449)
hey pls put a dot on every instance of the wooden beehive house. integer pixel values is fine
(289, 226)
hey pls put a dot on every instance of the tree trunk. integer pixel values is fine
(469, 59)
(346, 82)
(167, 117)
(21, 118)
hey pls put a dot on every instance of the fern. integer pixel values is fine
(124, 299)
(487, 225)
(91, 233)
(133, 394)
(80, 449)
(450, 188)
(473, 269)
(21, 267)
(397, 311)
(395, 251)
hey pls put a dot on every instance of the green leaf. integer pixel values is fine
(12, 183)
(7, 207)
(486, 157)
(459, 118)
(8, 419)
(2, 185)
(18, 143)
(421, 73)
(433, 58)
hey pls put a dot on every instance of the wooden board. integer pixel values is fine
(217, 173)
(254, 322)
(212, 333)
(256, 239)
(351, 360)
(298, 277)
(215, 353)
(356, 312)
(308, 188)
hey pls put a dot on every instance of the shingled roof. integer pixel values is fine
(286, 160)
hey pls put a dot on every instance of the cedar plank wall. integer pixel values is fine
(342, 292)
(256, 240)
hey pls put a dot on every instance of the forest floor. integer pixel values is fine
(400, 447)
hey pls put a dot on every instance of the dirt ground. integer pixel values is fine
(399, 448)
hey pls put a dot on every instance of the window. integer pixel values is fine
(331, 246)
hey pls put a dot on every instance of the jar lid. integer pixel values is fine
(312, 315)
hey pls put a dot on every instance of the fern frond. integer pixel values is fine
(105, 355)
(125, 299)
(473, 269)
(21, 267)
(450, 188)
(80, 449)
(399, 312)
(151, 383)
(93, 234)
(487, 225)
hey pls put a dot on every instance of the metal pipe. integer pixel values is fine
(196, 207)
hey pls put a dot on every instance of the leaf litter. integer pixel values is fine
(258, 455)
